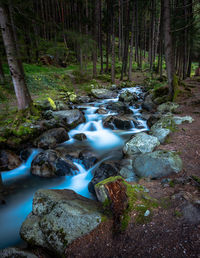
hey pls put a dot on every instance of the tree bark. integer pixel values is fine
(21, 90)
(2, 77)
(113, 47)
(169, 58)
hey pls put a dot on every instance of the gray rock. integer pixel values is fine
(83, 99)
(120, 107)
(58, 218)
(140, 143)
(51, 138)
(121, 122)
(69, 118)
(126, 170)
(49, 163)
(167, 107)
(13, 252)
(8, 160)
(148, 103)
(101, 111)
(157, 164)
(88, 158)
(103, 94)
(80, 136)
(179, 120)
(191, 213)
(152, 119)
(127, 96)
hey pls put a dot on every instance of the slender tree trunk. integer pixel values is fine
(113, 47)
(2, 77)
(21, 90)
(169, 58)
(100, 35)
(95, 29)
(131, 50)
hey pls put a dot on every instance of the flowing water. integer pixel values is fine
(103, 141)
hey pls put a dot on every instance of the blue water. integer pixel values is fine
(103, 141)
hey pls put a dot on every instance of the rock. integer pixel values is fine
(140, 143)
(83, 99)
(8, 160)
(119, 122)
(13, 252)
(101, 111)
(60, 105)
(51, 138)
(25, 154)
(69, 118)
(49, 163)
(153, 119)
(162, 128)
(126, 170)
(191, 213)
(157, 164)
(167, 107)
(120, 107)
(179, 120)
(103, 94)
(88, 158)
(58, 218)
(148, 103)
(127, 96)
(161, 91)
(161, 100)
(80, 136)
(105, 170)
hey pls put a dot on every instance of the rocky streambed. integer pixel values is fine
(107, 136)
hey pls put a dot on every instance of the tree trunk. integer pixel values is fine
(100, 35)
(113, 47)
(2, 77)
(21, 91)
(169, 58)
(95, 30)
(131, 50)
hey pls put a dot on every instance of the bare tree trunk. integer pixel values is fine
(100, 35)
(113, 47)
(95, 29)
(21, 90)
(169, 58)
(2, 77)
(131, 49)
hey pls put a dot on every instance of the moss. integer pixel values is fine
(171, 183)
(178, 214)
(108, 180)
(52, 103)
(165, 203)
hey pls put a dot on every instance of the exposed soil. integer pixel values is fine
(174, 230)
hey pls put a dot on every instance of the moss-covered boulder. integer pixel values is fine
(103, 94)
(167, 107)
(140, 143)
(58, 218)
(157, 164)
(51, 138)
(127, 96)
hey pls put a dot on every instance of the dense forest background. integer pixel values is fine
(113, 36)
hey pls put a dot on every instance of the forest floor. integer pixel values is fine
(174, 230)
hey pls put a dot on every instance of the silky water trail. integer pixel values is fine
(105, 142)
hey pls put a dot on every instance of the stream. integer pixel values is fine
(105, 142)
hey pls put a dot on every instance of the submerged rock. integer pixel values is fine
(51, 138)
(69, 118)
(9, 160)
(103, 94)
(140, 143)
(157, 164)
(49, 163)
(58, 218)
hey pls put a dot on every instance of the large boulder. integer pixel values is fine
(69, 118)
(127, 96)
(121, 122)
(140, 143)
(9, 160)
(126, 170)
(162, 128)
(120, 107)
(14, 252)
(148, 103)
(51, 138)
(103, 94)
(58, 218)
(88, 158)
(105, 170)
(49, 163)
(157, 164)
(179, 120)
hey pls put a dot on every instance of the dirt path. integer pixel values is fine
(174, 230)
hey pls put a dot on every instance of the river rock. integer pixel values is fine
(103, 94)
(49, 163)
(127, 96)
(83, 99)
(101, 111)
(148, 103)
(80, 136)
(120, 107)
(167, 107)
(105, 170)
(14, 252)
(8, 160)
(126, 170)
(120, 122)
(51, 138)
(69, 118)
(179, 120)
(152, 119)
(141, 143)
(88, 158)
(157, 164)
(162, 128)
(58, 218)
